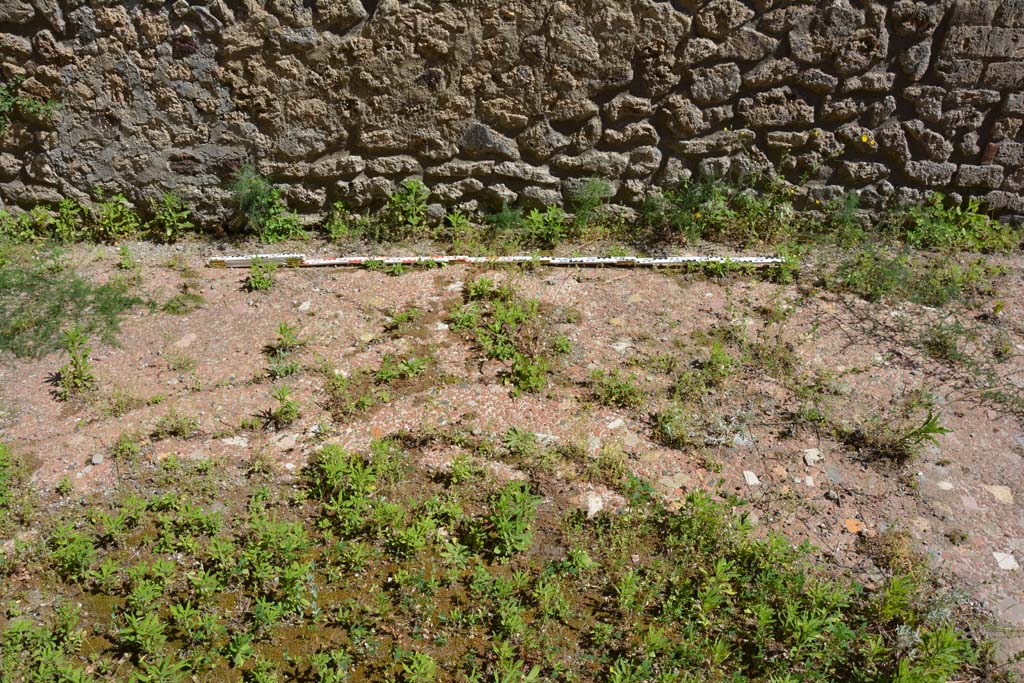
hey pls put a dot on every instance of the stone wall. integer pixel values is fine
(492, 101)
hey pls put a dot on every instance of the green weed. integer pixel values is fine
(175, 424)
(616, 389)
(287, 409)
(40, 294)
(170, 218)
(76, 377)
(956, 228)
(261, 275)
(184, 302)
(261, 209)
(512, 514)
(406, 212)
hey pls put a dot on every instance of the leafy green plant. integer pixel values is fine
(261, 209)
(261, 275)
(528, 374)
(615, 389)
(512, 514)
(287, 409)
(68, 225)
(76, 377)
(12, 100)
(115, 219)
(895, 439)
(392, 368)
(419, 667)
(588, 199)
(406, 211)
(675, 426)
(7, 472)
(175, 424)
(544, 228)
(956, 228)
(170, 218)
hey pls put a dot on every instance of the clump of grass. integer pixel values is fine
(348, 396)
(365, 545)
(942, 341)
(615, 389)
(873, 275)
(8, 477)
(184, 302)
(261, 209)
(705, 375)
(675, 426)
(40, 294)
(400, 320)
(175, 424)
(895, 439)
(512, 514)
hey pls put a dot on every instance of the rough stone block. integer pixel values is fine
(540, 141)
(871, 82)
(683, 117)
(988, 177)
(16, 12)
(747, 45)
(518, 170)
(1001, 200)
(592, 163)
(626, 107)
(719, 18)
(816, 80)
(539, 197)
(644, 161)
(396, 165)
(777, 107)
(935, 145)
(633, 135)
(915, 19)
(769, 72)
(725, 142)
(715, 84)
(1004, 75)
(1010, 154)
(859, 52)
(10, 166)
(862, 172)
(955, 73)
(931, 173)
(480, 140)
(842, 110)
(915, 59)
(984, 42)
(785, 139)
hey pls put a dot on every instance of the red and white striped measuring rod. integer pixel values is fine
(301, 261)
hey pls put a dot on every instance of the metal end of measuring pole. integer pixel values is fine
(300, 260)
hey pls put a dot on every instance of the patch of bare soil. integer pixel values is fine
(801, 424)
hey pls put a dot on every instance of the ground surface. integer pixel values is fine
(960, 501)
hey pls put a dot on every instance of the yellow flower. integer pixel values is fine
(696, 214)
(864, 138)
(817, 201)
